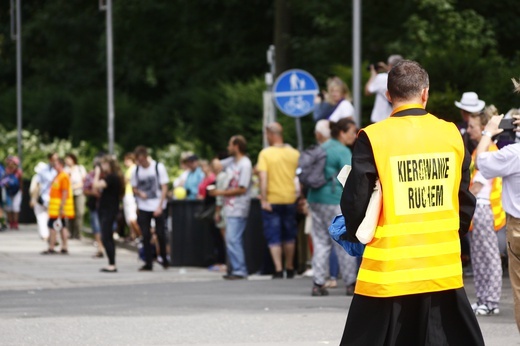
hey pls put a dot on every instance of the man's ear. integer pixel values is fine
(425, 95)
(388, 96)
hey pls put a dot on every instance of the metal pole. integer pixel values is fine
(299, 133)
(19, 75)
(356, 59)
(272, 50)
(110, 78)
(269, 109)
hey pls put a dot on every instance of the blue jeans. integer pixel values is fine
(235, 227)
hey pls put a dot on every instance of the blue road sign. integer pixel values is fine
(294, 92)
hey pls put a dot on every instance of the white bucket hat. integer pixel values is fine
(470, 102)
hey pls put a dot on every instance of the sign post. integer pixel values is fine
(294, 93)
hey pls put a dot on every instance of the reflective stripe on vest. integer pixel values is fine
(495, 197)
(416, 247)
(55, 203)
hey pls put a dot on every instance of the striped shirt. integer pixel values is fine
(504, 163)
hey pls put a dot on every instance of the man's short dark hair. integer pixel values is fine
(406, 80)
(240, 142)
(141, 151)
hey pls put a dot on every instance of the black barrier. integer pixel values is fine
(192, 242)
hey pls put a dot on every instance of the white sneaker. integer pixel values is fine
(484, 310)
(474, 306)
(309, 273)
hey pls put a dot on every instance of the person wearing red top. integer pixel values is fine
(209, 178)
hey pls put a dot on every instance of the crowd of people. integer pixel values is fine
(289, 184)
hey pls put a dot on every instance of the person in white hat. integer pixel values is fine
(468, 104)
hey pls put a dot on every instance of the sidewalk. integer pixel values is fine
(178, 298)
(23, 267)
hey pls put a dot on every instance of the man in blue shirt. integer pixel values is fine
(194, 178)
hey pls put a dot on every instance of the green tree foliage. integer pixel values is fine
(191, 72)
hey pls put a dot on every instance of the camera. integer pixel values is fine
(507, 124)
(508, 127)
(379, 66)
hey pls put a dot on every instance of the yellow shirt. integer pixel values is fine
(280, 164)
(128, 176)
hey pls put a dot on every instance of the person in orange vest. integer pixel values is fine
(488, 218)
(409, 289)
(61, 207)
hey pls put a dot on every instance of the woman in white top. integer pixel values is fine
(485, 254)
(337, 105)
(77, 176)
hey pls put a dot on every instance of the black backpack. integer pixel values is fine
(311, 167)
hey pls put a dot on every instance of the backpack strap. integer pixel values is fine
(157, 175)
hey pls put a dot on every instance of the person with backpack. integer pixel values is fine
(324, 198)
(150, 184)
(109, 178)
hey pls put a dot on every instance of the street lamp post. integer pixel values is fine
(356, 59)
(16, 34)
(269, 110)
(107, 7)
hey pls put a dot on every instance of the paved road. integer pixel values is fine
(65, 300)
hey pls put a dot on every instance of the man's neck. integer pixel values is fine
(278, 143)
(409, 102)
(238, 156)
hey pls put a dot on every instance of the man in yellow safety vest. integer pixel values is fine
(409, 289)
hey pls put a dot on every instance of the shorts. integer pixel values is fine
(130, 208)
(50, 223)
(95, 226)
(15, 203)
(280, 225)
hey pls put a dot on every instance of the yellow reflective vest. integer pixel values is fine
(495, 198)
(416, 246)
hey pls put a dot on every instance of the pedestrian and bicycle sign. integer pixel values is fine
(294, 93)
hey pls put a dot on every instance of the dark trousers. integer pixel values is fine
(106, 219)
(437, 318)
(143, 219)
